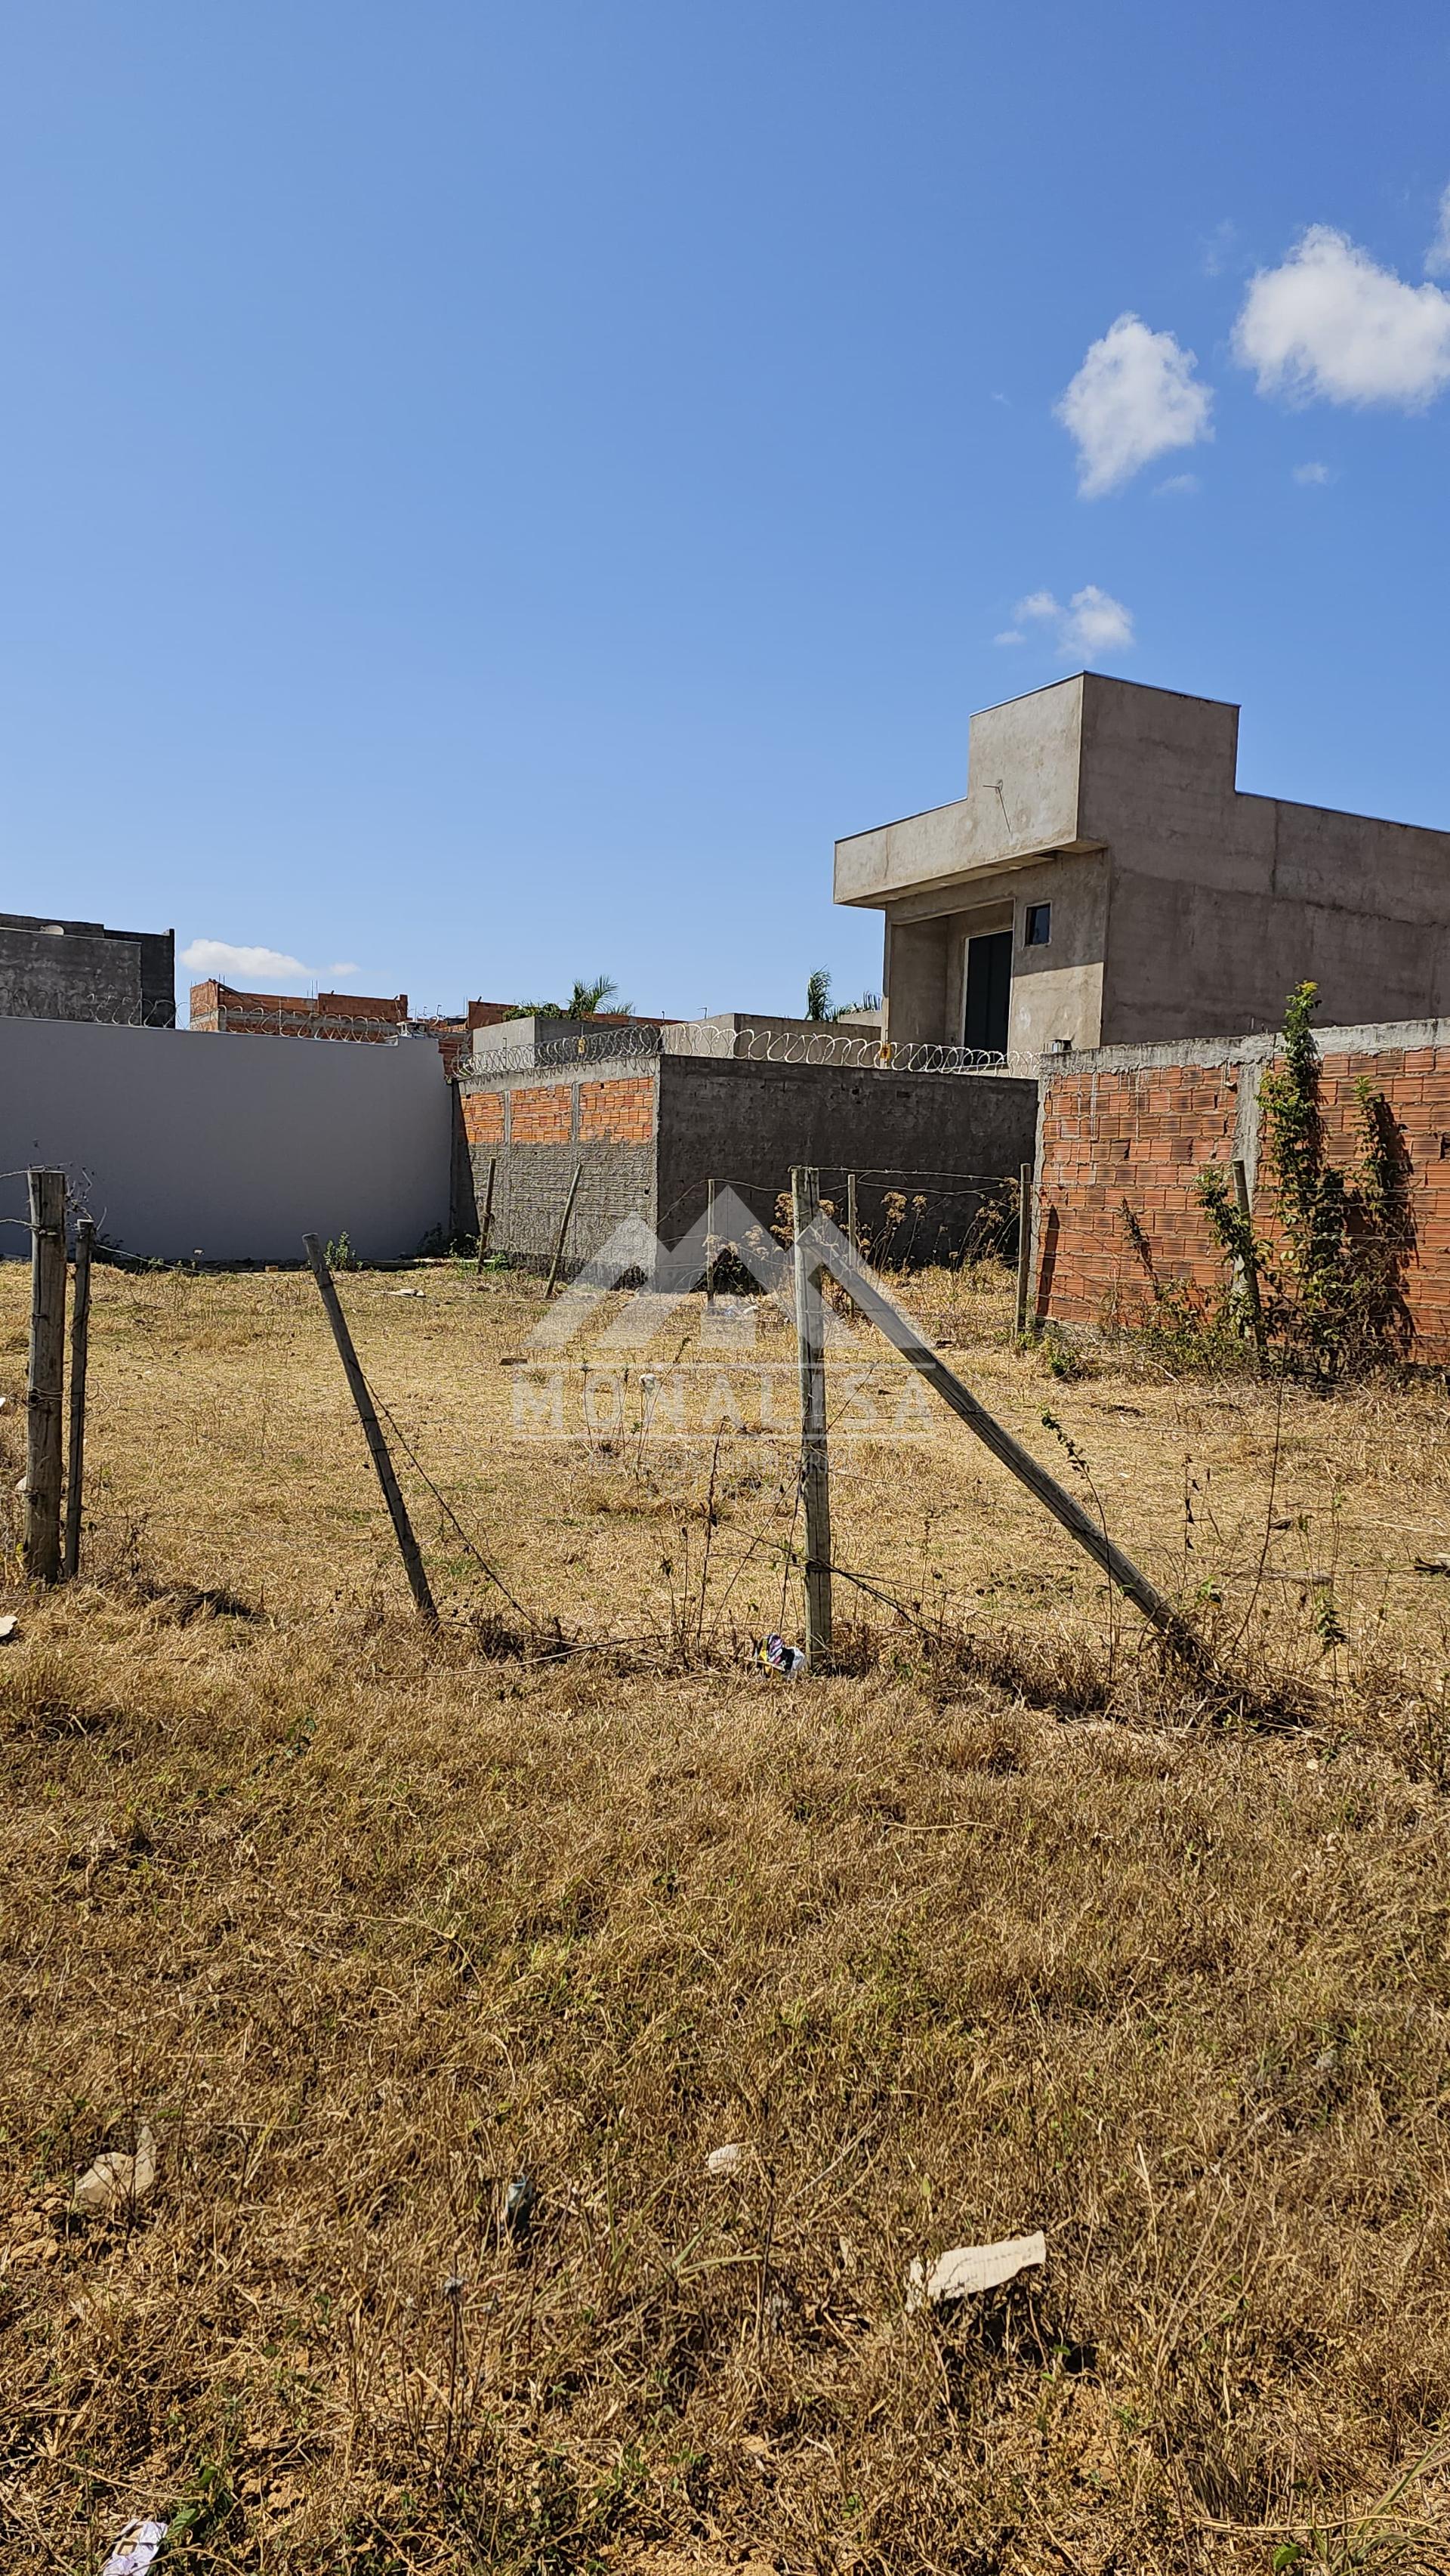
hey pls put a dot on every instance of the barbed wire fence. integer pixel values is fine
(486, 1048)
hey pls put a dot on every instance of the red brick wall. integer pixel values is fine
(542, 1115)
(621, 1110)
(1142, 1135)
(483, 1117)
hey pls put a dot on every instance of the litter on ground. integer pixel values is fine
(723, 2160)
(518, 2207)
(135, 2549)
(969, 2269)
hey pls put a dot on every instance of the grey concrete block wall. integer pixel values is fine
(943, 1142)
(532, 1189)
(234, 1146)
(948, 1138)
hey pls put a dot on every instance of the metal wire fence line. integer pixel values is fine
(663, 1413)
(746, 1043)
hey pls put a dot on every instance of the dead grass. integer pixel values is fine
(986, 1934)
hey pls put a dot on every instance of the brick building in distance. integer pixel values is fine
(372, 1019)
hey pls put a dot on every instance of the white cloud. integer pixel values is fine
(1178, 483)
(1314, 473)
(1132, 399)
(1437, 257)
(218, 958)
(346, 968)
(1096, 622)
(1092, 622)
(1330, 321)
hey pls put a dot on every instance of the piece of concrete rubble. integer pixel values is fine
(116, 2180)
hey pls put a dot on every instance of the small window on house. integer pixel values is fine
(1038, 931)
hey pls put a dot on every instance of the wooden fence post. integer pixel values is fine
(563, 1231)
(80, 1331)
(709, 1243)
(372, 1431)
(1250, 1267)
(810, 1333)
(485, 1228)
(45, 1387)
(1024, 1244)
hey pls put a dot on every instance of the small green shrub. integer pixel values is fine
(1330, 1285)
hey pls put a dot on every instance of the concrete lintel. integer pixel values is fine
(962, 894)
(1372, 1037)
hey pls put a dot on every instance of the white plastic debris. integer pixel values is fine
(135, 2549)
(723, 2160)
(778, 1657)
(969, 2269)
(8, 1626)
(115, 2180)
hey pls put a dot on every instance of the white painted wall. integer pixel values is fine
(236, 1147)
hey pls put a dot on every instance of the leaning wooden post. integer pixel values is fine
(1024, 1244)
(709, 1243)
(1064, 1507)
(80, 1330)
(810, 1339)
(487, 1225)
(1251, 1266)
(851, 1212)
(563, 1232)
(372, 1431)
(45, 1387)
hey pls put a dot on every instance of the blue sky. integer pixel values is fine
(493, 492)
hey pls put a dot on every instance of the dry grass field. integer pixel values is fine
(1005, 1926)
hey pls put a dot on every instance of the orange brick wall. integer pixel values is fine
(622, 1110)
(483, 1117)
(542, 1116)
(1142, 1135)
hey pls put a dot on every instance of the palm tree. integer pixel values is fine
(819, 1005)
(583, 1002)
(586, 999)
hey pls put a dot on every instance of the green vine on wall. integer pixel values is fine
(1331, 1276)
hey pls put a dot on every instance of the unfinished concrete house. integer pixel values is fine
(1104, 881)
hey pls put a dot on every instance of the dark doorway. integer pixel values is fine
(989, 992)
